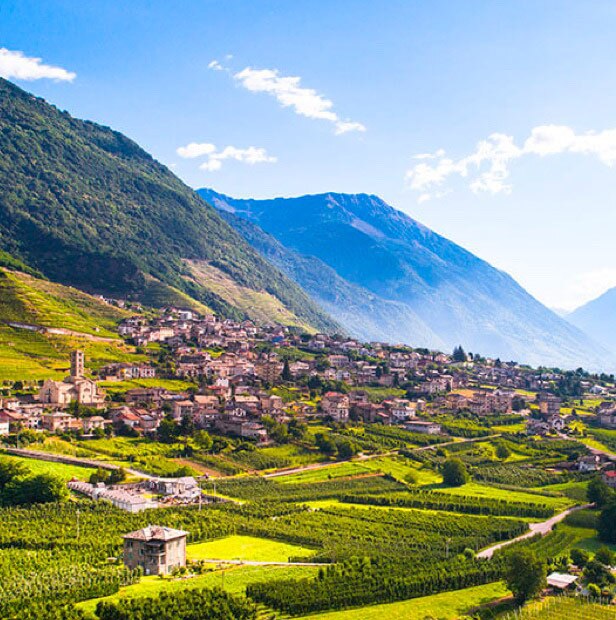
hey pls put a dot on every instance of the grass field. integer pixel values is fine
(397, 467)
(31, 355)
(246, 548)
(119, 387)
(61, 470)
(481, 490)
(447, 605)
(234, 579)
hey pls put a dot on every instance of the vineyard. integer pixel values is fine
(379, 530)
(562, 608)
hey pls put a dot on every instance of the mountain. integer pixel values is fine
(85, 206)
(380, 273)
(597, 318)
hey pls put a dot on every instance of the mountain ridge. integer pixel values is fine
(86, 206)
(597, 318)
(455, 295)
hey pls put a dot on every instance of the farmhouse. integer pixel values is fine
(156, 549)
(422, 426)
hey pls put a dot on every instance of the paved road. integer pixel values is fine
(542, 528)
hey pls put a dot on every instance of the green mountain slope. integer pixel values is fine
(86, 206)
(86, 322)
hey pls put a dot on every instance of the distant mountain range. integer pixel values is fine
(384, 276)
(598, 319)
(84, 205)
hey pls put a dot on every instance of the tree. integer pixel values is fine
(606, 556)
(204, 440)
(458, 354)
(297, 429)
(526, 575)
(346, 449)
(286, 372)
(598, 492)
(595, 572)
(454, 473)
(39, 489)
(607, 523)
(9, 470)
(325, 443)
(579, 557)
(117, 475)
(502, 451)
(168, 430)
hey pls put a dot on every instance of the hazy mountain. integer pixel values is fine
(598, 319)
(84, 205)
(398, 278)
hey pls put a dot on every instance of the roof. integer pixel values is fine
(561, 580)
(156, 532)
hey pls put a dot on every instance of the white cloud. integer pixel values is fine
(215, 66)
(289, 92)
(488, 167)
(250, 155)
(16, 65)
(196, 149)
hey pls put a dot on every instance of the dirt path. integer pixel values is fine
(542, 528)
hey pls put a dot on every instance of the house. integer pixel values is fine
(336, 406)
(422, 426)
(186, 486)
(156, 549)
(4, 426)
(589, 463)
(549, 405)
(557, 422)
(57, 421)
(561, 581)
(607, 415)
(90, 424)
(609, 477)
(183, 408)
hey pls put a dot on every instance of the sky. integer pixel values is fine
(492, 122)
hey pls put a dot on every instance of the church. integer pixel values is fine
(75, 388)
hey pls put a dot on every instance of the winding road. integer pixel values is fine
(542, 528)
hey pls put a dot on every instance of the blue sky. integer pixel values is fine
(379, 84)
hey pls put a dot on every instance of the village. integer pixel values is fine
(247, 381)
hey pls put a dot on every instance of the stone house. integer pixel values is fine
(156, 549)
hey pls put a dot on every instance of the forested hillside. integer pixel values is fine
(86, 206)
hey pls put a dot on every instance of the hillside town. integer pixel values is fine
(243, 378)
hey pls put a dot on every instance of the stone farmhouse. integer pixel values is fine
(156, 549)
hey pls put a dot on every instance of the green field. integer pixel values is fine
(482, 490)
(234, 579)
(246, 548)
(445, 606)
(119, 387)
(397, 467)
(61, 470)
(33, 356)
